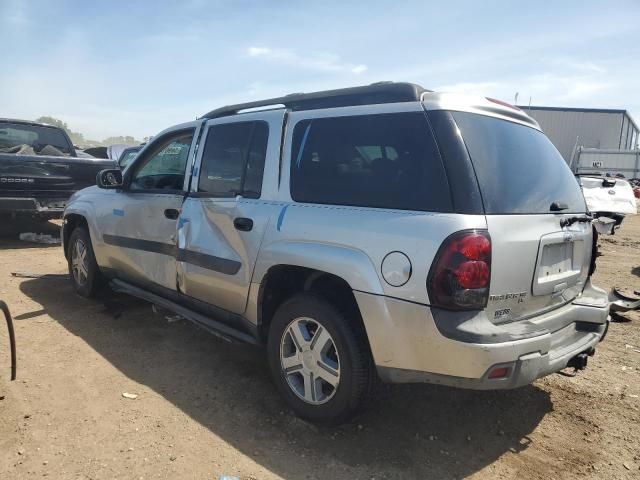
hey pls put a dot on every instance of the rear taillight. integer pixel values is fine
(460, 276)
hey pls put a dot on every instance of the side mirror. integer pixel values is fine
(109, 178)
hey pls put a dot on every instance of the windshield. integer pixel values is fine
(518, 168)
(33, 140)
(128, 155)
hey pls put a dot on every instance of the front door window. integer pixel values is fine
(164, 167)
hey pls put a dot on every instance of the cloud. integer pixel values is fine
(258, 51)
(472, 88)
(323, 62)
(554, 89)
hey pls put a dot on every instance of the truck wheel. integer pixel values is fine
(319, 359)
(83, 269)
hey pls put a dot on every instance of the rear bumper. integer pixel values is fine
(32, 205)
(522, 371)
(408, 347)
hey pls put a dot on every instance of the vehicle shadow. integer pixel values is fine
(407, 431)
(11, 228)
(635, 271)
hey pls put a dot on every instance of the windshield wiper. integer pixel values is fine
(558, 206)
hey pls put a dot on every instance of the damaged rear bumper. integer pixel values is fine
(566, 346)
(408, 346)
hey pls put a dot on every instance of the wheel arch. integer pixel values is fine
(283, 281)
(70, 222)
(350, 264)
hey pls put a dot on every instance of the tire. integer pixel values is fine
(85, 284)
(345, 347)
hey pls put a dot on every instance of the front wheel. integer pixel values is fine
(83, 269)
(319, 359)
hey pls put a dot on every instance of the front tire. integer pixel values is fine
(319, 359)
(83, 269)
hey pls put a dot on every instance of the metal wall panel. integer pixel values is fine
(588, 129)
(609, 161)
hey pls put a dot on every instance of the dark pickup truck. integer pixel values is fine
(39, 169)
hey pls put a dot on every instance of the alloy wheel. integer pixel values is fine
(309, 360)
(80, 262)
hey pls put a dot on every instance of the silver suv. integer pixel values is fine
(380, 231)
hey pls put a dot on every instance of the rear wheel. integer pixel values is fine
(83, 269)
(319, 359)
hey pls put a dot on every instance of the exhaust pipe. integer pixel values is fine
(579, 362)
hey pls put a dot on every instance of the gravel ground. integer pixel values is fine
(205, 408)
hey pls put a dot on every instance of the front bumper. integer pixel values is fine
(37, 206)
(408, 347)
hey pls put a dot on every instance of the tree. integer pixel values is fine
(53, 121)
(127, 140)
(76, 137)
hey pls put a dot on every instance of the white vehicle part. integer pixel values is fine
(602, 198)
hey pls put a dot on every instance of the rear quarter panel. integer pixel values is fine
(352, 242)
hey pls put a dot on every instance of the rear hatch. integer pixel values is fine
(541, 237)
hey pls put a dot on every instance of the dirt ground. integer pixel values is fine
(206, 408)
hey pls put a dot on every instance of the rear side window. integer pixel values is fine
(233, 159)
(518, 168)
(385, 161)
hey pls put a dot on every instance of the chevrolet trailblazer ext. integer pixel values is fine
(383, 230)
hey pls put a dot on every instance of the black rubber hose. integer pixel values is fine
(12, 337)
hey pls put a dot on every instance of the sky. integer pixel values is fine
(137, 67)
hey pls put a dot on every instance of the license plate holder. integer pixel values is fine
(559, 263)
(556, 261)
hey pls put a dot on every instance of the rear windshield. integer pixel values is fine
(518, 168)
(383, 160)
(32, 140)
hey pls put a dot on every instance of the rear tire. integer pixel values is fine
(83, 269)
(319, 359)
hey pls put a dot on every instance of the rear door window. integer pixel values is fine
(233, 159)
(384, 160)
(518, 168)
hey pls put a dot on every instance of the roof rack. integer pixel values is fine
(381, 92)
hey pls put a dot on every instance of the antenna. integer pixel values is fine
(515, 98)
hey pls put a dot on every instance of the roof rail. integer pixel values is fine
(381, 92)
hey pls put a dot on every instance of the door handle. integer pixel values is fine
(172, 213)
(243, 224)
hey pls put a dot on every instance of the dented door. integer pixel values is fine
(224, 217)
